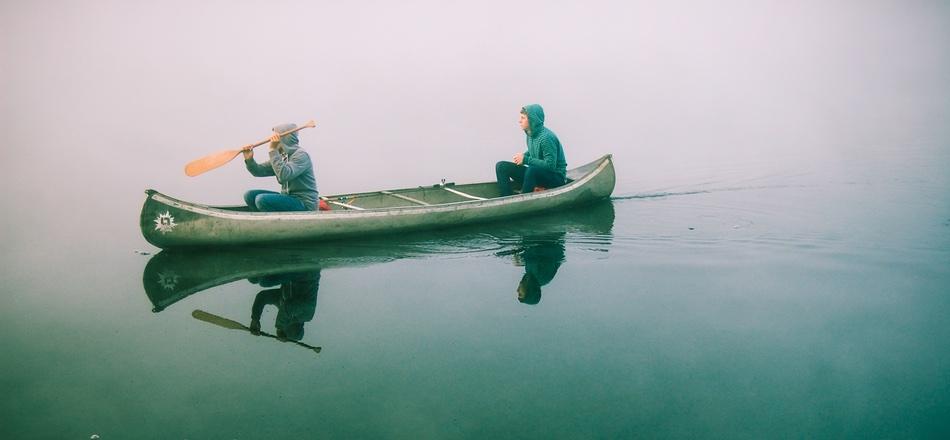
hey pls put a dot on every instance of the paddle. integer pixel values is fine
(202, 315)
(215, 160)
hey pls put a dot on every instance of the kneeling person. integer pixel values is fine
(293, 169)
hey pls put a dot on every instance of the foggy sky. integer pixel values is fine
(113, 97)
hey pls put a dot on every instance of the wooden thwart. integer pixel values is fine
(460, 193)
(406, 198)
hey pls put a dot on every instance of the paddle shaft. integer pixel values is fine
(281, 135)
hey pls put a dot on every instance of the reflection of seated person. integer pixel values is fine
(296, 301)
(541, 260)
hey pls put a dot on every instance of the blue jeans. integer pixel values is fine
(527, 177)
(270, 201)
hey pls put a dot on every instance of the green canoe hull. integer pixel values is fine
(170, 223)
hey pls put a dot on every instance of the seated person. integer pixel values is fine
(542, 165)
(541, 257)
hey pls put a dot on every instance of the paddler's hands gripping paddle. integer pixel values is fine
(215, 160)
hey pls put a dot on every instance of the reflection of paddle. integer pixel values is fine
(215, 160)
(202, 315)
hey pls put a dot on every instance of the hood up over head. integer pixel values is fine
(535, 118)
(290, 142)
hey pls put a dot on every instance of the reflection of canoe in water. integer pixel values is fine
(167, 222)
(173, 275)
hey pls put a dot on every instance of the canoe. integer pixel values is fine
(167, 222)
(175, 274)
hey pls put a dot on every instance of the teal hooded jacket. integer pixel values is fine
(544, 148)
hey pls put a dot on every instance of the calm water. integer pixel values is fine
(775, 261)
(790, 305)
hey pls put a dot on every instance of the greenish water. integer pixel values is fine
(716, 310)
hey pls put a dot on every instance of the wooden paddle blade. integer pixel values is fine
(217, 320)
(210, 162)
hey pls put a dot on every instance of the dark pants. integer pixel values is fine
(527, 177)
(270, 201)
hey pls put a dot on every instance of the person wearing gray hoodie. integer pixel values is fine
(293, 169)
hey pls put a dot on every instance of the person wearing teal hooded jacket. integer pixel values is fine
(293, 169)
(542, 165)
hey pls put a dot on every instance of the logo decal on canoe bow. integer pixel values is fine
(168, 280)
(165, 222)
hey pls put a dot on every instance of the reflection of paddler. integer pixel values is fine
(296, 301)
(541, 259)
(202, 315)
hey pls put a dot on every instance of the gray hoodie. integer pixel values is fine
(292, 167)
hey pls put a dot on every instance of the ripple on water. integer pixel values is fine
(827, 222)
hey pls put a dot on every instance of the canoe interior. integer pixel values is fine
(433, 195)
